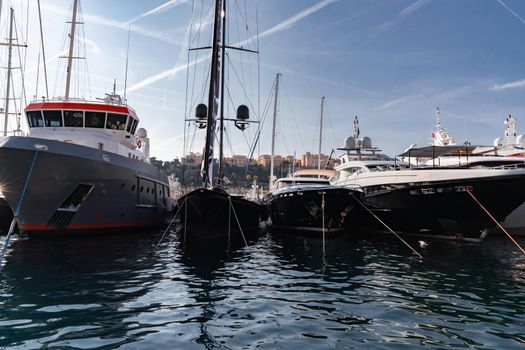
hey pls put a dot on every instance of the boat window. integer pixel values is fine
(134, 126)
(95, 119)
(53, 118)
(74, 118)
(128, 129)
(116, 121)
(35, 119)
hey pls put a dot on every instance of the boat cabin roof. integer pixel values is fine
(440, 151)
(315, 172)
(82, 114)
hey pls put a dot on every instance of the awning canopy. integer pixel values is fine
(438, 151)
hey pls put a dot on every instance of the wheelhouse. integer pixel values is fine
(106, 125)
(81, 115)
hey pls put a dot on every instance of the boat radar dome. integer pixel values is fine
(367, 142)
(141, 132)
(520, 140)
(498, 142)
(349, 142)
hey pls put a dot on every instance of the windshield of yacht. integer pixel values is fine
(290, 182)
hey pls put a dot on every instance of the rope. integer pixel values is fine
(237, 219)
(171, 222)
(322, 207)
(388, 228)
(496, 221)
(17, 210)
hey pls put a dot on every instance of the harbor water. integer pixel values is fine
(125, 292)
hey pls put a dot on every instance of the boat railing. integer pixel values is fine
(101, 101)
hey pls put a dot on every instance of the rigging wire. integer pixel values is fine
(293, 115)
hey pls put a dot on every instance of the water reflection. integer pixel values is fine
(279, 292)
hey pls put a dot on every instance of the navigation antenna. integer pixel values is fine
(127, 59)
(438, 120)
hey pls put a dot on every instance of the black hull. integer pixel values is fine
(445, 209)
(300, 210)
(212, 214)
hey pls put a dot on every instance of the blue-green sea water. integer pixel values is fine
(125, 292)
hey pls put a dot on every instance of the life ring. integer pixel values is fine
(139, 144)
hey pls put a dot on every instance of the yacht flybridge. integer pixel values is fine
(429, 200)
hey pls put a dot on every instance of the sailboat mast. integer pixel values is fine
(212, 98)
(320, 133)
(272, 165)
(7, 90)
(223, 91)
(71, 47)
(42, 44)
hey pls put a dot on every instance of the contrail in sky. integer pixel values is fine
(511, 11)
(164, 74)
(286, 24)
(512, 85)
(404, 13)
(159, 9)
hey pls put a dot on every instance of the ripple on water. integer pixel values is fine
(280, 292)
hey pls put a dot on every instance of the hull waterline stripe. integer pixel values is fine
(102, 225)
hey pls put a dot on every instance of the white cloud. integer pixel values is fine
(280, 27)
(392, 103)
(288, 23)
(159, 9)
(511, 85)
(415, 6)
(164, 74)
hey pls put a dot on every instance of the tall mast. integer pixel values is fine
(212, 99)
(272, 165)
(42, 44)
(71, 47)
(221, 121)
(320, 133)
(7, 90)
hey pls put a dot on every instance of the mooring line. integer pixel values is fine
(389, 229)
(17, 210)
(322, 207)
(237, 219)
(171, 222)
(496, 221)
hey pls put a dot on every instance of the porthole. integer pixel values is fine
(133, 188)
(122, 186)
(141, 188)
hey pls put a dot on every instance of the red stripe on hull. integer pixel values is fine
(100, 225)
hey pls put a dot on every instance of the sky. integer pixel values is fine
(390, 62)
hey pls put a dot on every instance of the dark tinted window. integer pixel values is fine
(130, 124)
(74, 118)
(34, 118)
(53, 118)
(95, 119)
(134, 126)
(116, 121)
